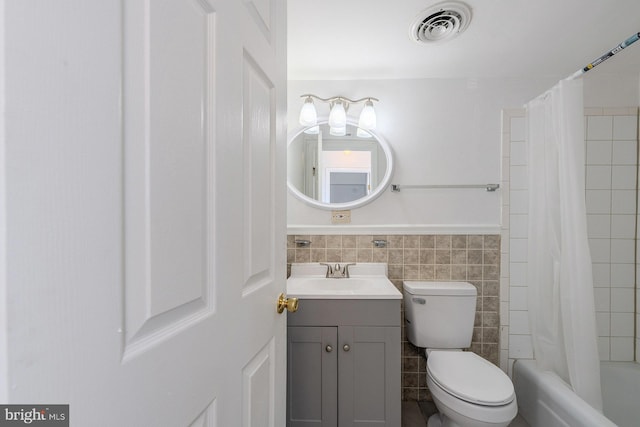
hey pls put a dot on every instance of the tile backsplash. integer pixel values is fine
(472, 258)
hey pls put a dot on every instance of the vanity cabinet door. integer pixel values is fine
(369, 376)
(312, 376)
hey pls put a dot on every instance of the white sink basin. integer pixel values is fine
(367, 281)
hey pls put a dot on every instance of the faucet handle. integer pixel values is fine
(329, 269)
(345, 269)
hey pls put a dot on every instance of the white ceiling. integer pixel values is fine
(369, 39)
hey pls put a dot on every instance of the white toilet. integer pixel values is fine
(468, 390)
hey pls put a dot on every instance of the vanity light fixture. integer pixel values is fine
(338, 107)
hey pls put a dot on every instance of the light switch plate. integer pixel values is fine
(341, 217)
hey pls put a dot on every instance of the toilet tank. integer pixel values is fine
(439, 314)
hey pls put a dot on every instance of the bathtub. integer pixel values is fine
(545, 400)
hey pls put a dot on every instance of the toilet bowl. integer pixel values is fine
(468, 390)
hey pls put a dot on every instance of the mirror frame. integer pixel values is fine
(384, 183)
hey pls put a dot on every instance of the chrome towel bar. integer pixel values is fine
(488, 187)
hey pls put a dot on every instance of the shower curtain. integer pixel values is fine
(561, 303)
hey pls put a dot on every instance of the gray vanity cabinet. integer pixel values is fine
(343, 365)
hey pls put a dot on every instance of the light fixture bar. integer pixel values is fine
(341, 98)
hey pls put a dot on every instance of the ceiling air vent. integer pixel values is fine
(442, 21)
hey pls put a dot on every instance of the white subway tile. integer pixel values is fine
(519, 323)
(598, 178)
(519, 226)
(622, 349)
(518, 252)
(599, 128)
(625, 153)
(519, 298)
(603, 323)
(622, 324)
(518, 129)
(623, 226)
(622, 300)
(600, 250)
(622, 250)
(625, 127)
(519, 177)
(598, 201)
(604, 350)
(519, 201)
(520, 347)
(599, 152)
(518, 274)
(623, 177)
(622, 275)
(601, 275)
(519, 153)
(602, 299)
(599, 226)
(623, 201)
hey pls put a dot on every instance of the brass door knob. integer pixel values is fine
(291, 304)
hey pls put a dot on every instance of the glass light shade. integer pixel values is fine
(308, 114)
(363, 133)
(367, 117)
(338, 131)
(313, 130)
(338, 116)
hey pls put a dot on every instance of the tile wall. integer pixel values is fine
(472, 258)
(611, 172)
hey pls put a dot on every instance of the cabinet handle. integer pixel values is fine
(346, 347)
(329, 349)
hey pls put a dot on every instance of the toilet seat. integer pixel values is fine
(469, 377)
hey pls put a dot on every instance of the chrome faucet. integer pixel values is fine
(337, 271)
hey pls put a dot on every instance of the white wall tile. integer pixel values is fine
(518, 252)
(518, 274)
(622, 300)
(603, 323)
(519, 226)
(622, 324)
(519, 297)
(599, 128)
(519, 153)
(623, 226)
(601, 275)
(600, 250)
(599, 152)
(623, 201)
(622, 349)
(622, 250)
(622, 275)
(518, 129)
(598, 178)
(519, 178)
(625, 153)
(625, 127)
(602, 299)
(520, 347)
(598, 201)
(599, 226)
(622, 177)
(519, 201)
(519, 323)
(604, 350)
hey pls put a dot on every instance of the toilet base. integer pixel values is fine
(435, 420)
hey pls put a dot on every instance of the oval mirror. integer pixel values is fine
(338, 172)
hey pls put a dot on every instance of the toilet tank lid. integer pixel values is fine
(439, 288)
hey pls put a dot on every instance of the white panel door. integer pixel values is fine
(142, 220)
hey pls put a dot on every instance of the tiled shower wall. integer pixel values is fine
(472, 258)
(611, 196)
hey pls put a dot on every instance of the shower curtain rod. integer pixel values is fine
(634, 38)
